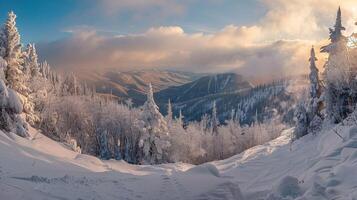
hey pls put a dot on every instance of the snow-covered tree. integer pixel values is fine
(45, 69)
(70, 85)
(301, 119)
(14, 56)
(315, 84)
(153, 140)
(14, 77)
(169, 113)
(103, 145)
(32, 64)
(180, 118)
(337, 74)
(315, 102)
(214, 119)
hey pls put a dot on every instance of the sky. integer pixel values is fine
(253, 37)
(44, 20)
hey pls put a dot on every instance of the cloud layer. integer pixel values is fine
(276, 45)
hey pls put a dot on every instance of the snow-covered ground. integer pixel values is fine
(319, 166)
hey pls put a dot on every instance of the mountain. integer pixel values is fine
(232, 93)
(133, 84)
(238, 98)
(204, 87)
(195, 99)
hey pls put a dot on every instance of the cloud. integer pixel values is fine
(277, 45)
(171, 47)
(308, 19)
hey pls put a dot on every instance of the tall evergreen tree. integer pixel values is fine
(337, 74)
(32, 61)
(169, 113)
(155, 126)
(315, 84)
(214, 119)
(180, 118)
(315, 105)
(14, 56)
(301, 120)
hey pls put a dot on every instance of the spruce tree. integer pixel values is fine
(315, 85)
(32, 61)
(315, 105)
(301, 127)
(180, 118)
(169, 113)
(153, 141)
(14, 56)
(214, 119)
(337, 74)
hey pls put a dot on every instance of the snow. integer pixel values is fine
(320, 166)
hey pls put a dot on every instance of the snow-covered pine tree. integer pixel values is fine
(214, 119)
(70, 85)
(103, 145)
(35, 84)
(14, 74)
(315, 85)
(337, 74)
(45, 69)
(169, 113)
(301, 120)
(153, 142)
(180, 119)
(32, 61)
(315, 105)
(14, 56)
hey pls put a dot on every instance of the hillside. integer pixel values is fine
(133, 84)
(196, 99)
(203, 87)
(315, 167)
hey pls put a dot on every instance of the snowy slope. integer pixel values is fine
(44, 169)
(324, 166)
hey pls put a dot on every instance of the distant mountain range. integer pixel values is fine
(133, 84)
(203, 87)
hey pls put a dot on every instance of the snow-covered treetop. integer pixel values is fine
(13, 36)
(336, 34)
(312, 58)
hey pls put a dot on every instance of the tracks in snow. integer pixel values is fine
(172, 189)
